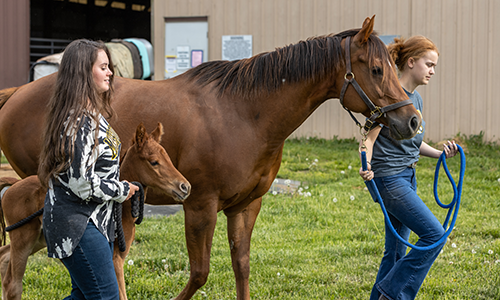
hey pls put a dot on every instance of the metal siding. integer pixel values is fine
(14, 48)
(493, 73)
(459, 98)
(447, 69)
(424, 22)
(481, 49)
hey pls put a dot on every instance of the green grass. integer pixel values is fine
(324, 246)
(3, 160)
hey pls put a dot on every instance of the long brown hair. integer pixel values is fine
(75, 95)
(416, 46)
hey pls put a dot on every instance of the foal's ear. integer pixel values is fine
(140, 136)
(362, 36)
(157, 133)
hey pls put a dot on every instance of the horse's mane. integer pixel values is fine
(308, 60)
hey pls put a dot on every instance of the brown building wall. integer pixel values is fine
(15, 42)
(459, 99)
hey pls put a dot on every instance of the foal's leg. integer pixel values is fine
(118, 256)
(4, 259)
(25, 241)
(239, 231)
(200, 220)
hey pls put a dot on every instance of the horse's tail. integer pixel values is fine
(5, 94)
(5, 183)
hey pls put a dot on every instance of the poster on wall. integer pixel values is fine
(196, 58)
(236, 47)
(170, 64)
(183, 57)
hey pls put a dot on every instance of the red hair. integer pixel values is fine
(416, 46)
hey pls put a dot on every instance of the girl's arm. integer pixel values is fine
(450, 149)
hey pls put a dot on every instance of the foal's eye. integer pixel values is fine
(377, 71)
(153, 163)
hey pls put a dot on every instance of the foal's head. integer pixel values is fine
(147, 162)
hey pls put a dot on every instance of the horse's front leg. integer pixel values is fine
(239, 232)
(200, 220)
(118, 256)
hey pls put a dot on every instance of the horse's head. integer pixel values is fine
(147, 162)
(379, 95)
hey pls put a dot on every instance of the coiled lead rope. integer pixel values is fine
(137, 212)
(453, 206)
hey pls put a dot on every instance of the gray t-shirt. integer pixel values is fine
(391, 156)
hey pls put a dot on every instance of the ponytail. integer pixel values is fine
(416, 47)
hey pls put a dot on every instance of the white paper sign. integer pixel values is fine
(170, 64)
(183, 57)
(236, 47)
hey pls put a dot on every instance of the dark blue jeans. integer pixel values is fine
(400, 275)
(91, 268)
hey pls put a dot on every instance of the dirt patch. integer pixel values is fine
(7, 171)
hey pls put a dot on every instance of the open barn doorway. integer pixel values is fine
(55, 23)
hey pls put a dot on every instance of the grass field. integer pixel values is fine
(324, 242)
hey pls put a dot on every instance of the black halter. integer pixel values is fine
(375, 111)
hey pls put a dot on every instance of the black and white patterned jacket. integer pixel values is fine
(85, 191)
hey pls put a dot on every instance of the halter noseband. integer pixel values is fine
(375, 111)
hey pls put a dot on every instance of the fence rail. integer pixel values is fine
(41, 47)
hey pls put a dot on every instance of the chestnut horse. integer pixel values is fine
(146, 162)
(227, 123)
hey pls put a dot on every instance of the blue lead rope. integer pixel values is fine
(452, 207)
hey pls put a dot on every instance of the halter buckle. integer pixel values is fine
(368, 124)
(376, 111)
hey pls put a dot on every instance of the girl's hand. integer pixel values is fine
(132, 189)
(366, 175)
(450, 149)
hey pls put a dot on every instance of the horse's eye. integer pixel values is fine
(377, 71)
(153, 163)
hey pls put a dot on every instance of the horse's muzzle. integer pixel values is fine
(405, 130)
(184, 190)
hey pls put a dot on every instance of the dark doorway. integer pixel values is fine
(67, 20)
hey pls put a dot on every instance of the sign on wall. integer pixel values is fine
(236, 47)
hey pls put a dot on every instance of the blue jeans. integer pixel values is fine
(400, 275)
(91, 267)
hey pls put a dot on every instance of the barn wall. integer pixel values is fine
(15, 42)
(459, 99)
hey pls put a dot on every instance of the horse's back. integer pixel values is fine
(23, 198)
(21, 121)
(7, 181)
(5, 95)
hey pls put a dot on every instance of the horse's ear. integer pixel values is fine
(365, 32)
(158, 132)
(141, 136)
